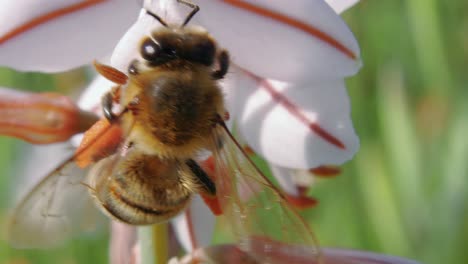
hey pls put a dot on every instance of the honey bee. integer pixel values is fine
(144, 158)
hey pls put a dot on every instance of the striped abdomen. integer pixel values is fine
(141, 189)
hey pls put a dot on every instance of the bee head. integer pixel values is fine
(187, 44)
(191, 44)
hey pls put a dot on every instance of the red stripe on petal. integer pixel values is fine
(301, 202)
(248, 150)
(295, 111)
(302, 190)
(40, 20)
(325, 135)
(326, 171)
(315, 32)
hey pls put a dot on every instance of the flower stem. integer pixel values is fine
(161, 242)
(154, 244)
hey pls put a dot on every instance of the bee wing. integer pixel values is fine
(56, 208)
(259, 215)
(60, 205)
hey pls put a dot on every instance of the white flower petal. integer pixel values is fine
(265, 46)
(200, 220)
(171, 11)
(312, 121)
(59, 35)
(341, 5)
(291, 179)
(285, 179)
(90, 99)
(231, 102)
(302, 178)
(277, 50)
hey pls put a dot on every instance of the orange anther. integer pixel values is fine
(98, 142)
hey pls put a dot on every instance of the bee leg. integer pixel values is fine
(223, 61)
(208, 185)
(107, 102)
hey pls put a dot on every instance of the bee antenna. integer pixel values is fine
(194, 11)
(156, 17)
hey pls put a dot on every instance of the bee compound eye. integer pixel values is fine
(150, 49)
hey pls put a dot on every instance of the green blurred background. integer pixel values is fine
(404, 193)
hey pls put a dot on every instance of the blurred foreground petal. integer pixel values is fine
(232, 254)
(346, 256)
(41, 118)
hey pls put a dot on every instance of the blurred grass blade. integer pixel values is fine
(402, 146)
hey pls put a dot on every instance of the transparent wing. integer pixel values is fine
(60, 205)
(259, 215)
(56, 208)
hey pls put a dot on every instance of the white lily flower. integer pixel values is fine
(285, 88)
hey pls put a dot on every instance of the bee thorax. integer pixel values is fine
(177, 109)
